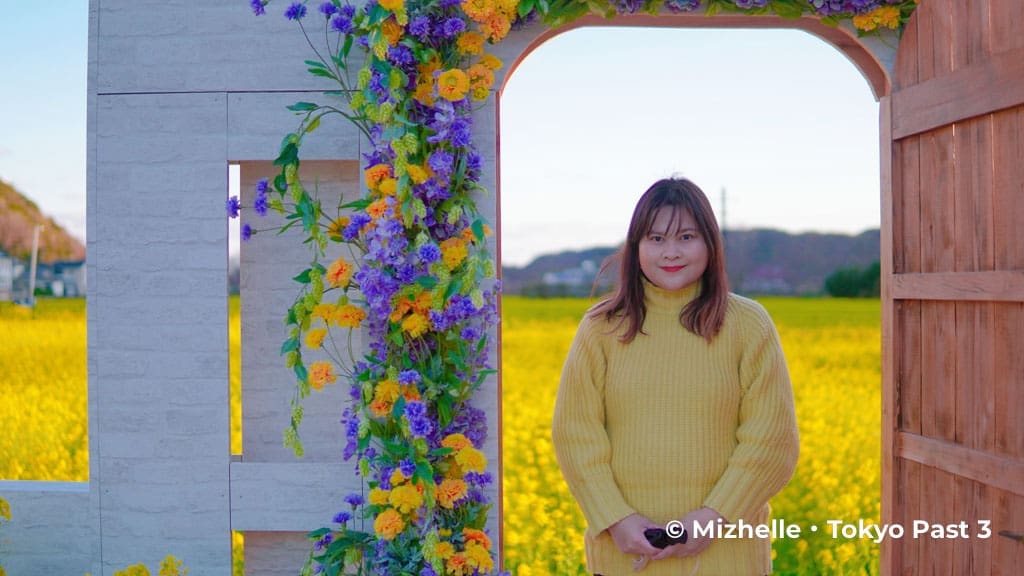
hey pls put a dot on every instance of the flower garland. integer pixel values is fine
(421, 288)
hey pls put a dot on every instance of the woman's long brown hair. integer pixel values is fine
(705, 314)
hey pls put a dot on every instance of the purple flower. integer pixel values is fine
(470, 333)
(328, 9)
(342, 517)
(429, 253)
(246, 232)
(460, 133)
(474, 162)
(441, 162)
(258, 7)
(628, 6)
(409, 377)
(408, 467)
(232, 206)
(420, 427)
(682, 5)
(324, 542)
(355, 499)
(297, 11)
(419, 26)
(415, 409)
(401, 55)
(451, 27)
(449, 3)
(260, 203)
(342, 23)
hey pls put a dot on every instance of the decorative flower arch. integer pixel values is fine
(421, 288)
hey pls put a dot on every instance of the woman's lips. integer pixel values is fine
(672, 268)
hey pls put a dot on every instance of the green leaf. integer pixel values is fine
(289, 345)
(303, 278)
(280, 183)
(444, 410)
(301, 373)
(454, 287)
(478, 229)
(303, 107)
(787, 8)
(427, 282)
(346, 47)
(360, 204)
(315, 64)
(525, 6)
(289, 155)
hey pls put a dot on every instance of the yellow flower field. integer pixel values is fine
(832, 347)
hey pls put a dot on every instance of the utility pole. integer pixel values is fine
(722, 219)
(32, 268)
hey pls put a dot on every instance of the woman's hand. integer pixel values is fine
(693, 545)
(628, 535)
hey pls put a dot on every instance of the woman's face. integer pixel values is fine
(673, 255)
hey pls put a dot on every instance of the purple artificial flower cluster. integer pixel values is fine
(831, 7)
(678, 6)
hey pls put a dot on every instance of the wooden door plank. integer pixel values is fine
(1006, 25)
(978, 465)
(905, 67)
(890, 509)
(990, 286)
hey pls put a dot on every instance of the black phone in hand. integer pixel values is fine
(660, 539)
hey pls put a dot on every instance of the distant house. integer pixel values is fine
(63, 278)
(766, 279)
(6, 276)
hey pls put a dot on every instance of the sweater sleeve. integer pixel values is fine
(579, 436)
(767, 440)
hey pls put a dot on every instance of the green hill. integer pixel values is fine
(18, 218)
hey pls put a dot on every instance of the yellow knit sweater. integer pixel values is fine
(668, 424)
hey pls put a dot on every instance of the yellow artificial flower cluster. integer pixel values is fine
(881, 17)
(387, 392)
(475, 555)
(413, 312)
(493, 17)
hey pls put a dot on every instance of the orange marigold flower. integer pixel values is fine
(480, 75)
(888, 16)
(471, 459)
(321, 373)
(479, 557)
(509, 7)
(453, 252)
(377, 208)
(393, 5)
(392, 30)
(388, 524)
(340, 273)
(423, 301)
(380, 408)
(458, 565)
(496, 27)
(418, 174)
(444, 550)
(474, 535)
(410, 393)
(450, 491)
(415, 325)
(324, 311)
(315, 338)
(374, 174)
(348, 316)
(389, 187)
(470, 43)
(490, 61)
(379, 497)
(479, 10)
(456, 442)
(424, 93)
(452, 85)
(406, 498)
(387, 390)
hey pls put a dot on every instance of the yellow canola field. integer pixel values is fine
(832, 347)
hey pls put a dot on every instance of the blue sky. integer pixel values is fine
(779, 119)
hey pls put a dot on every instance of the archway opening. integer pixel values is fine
(781, 132)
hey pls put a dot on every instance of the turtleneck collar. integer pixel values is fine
(659, 300)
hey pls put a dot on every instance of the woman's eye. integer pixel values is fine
(656, 238)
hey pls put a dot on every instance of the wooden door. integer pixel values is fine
(953, 291)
